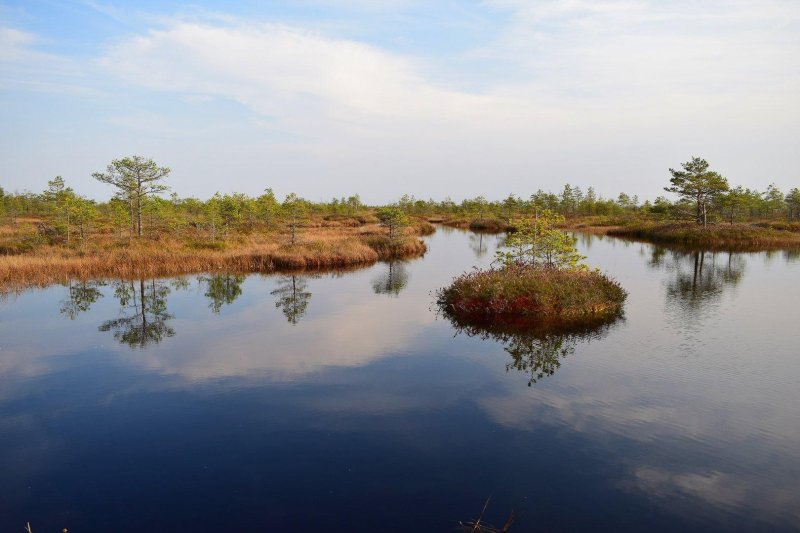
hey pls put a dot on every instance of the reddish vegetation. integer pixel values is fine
(527, 294)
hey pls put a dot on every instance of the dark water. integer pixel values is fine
(341, 403)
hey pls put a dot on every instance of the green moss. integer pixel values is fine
(208, 245)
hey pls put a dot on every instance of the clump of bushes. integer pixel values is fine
(423, 227)
(528, 292)
(397, 248)
(492, 225)
(538, 279)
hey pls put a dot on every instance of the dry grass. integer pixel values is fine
(488, 225)
(719, 236)
(781, 225)
(454, 222)
(316, 248)
(422, 227)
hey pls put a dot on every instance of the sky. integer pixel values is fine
(383, 98)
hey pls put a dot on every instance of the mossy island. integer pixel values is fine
(538, 281)
(520, 296)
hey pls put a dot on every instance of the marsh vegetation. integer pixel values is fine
(537, 280)
(58, 235)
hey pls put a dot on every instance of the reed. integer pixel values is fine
(316, 248)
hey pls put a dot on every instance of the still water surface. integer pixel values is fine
(340, 402)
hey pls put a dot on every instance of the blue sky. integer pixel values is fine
(332, 97)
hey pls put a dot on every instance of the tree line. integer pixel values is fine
(141, 206)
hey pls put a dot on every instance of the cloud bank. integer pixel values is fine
(608, 94)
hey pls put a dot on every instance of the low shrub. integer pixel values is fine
(490, 225)
(527, 294)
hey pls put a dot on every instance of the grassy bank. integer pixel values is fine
(524, 295)
(319, 246)
(719, 236)
(488, 225)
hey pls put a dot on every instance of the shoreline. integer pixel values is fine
(332, 249)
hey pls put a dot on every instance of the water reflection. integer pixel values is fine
(80, 297)
(392, 280)
(292, 297)
(791, 255)
(478, 243)
(537, 350)
(640, 435)
(143, 317)
(222, 289)
(698, 277)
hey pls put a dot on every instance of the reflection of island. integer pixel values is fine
(392, 280)
(293, 298)
(537, 349)
(143, 316)
(81, 296)
(222, 289)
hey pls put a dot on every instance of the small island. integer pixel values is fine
(538, 280)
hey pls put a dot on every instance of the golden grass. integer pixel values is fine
(740, 236)
(316, 248)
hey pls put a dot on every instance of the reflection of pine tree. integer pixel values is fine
(538, 356)
(293, 298)
(477, 242)
(80, 298)
(537, 349)
(392, 280)
(222, 289)
(700, 277)
(143, 313)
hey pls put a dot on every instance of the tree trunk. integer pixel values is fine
(139, 215)
(133, 222)
(698, 218)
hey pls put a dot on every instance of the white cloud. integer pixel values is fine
(17, 47)
(606, 93)
(283, 71)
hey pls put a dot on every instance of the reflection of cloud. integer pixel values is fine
(713, 487)
(736, 454)
(255, 341)
(719, 489)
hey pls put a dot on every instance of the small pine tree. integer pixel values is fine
(538, 243)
